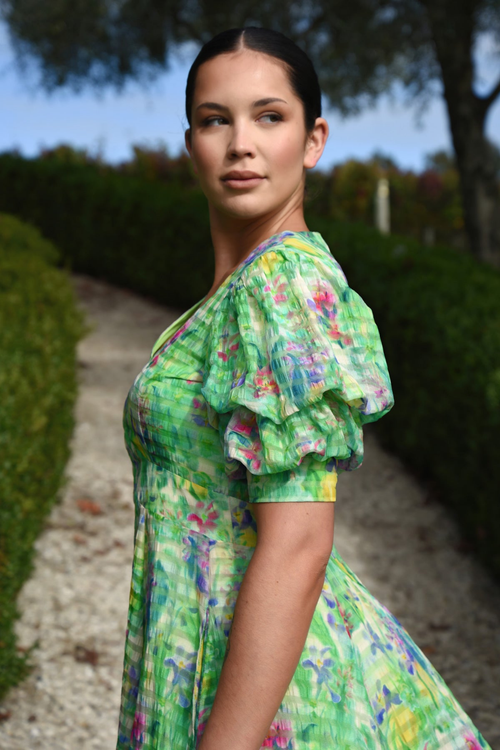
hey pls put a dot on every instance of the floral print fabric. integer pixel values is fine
(260, 394)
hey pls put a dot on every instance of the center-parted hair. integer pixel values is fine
(301, 72)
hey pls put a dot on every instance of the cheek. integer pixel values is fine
(206, 156)
(288, 155)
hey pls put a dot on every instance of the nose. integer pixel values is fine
(241, 142)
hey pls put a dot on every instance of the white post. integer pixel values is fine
(382, 209)
(429, 236)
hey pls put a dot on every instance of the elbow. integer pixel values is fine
(315, 549)
(315, 559)
(307, 557)
(308, 567)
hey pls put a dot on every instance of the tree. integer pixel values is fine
(361, 50)
(440, 161)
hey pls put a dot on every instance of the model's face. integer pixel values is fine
(246, 118)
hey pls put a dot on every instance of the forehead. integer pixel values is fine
(245, 75)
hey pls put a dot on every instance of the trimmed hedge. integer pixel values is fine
(149, 237)
(39, 329)
(438, 311)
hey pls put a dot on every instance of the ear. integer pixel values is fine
(316, 142)
(187, 141)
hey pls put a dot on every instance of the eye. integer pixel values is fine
(275, 117)
(213, 120)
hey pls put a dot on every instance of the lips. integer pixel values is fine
(242, 180)
(241, 175)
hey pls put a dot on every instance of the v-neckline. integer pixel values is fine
(172, 329)
(179, 322)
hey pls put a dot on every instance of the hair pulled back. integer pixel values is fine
(301, 72)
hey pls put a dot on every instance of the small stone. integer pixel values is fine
(84, 654)
(86, 505)
(429, 650)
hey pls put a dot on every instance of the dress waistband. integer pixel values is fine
(190, 507)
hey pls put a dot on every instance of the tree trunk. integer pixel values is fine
(452, 31)
(478, 181)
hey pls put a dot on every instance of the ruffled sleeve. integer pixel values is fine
(294, 369)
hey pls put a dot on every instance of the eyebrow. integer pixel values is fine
(258, 103)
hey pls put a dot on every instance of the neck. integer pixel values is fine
(234, 239)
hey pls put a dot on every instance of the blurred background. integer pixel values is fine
(103, 229)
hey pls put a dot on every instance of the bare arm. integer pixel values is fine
(272, 616)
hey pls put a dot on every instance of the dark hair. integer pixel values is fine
(303, 77)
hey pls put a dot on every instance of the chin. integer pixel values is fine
(245, 209)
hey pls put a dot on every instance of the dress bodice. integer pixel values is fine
(260, 391)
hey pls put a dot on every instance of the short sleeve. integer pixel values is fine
(294, 369)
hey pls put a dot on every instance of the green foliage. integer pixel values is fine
(156, 164)
(142, 234)
(438, 313)
(39, 330)
(362, 51)
(418, 202)
(129, 214)
(101, 43)
(437, 308)
(68, 154)
(15, 236)
(148, 163)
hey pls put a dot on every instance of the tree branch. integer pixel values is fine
(315, 23)
(488, 100)
(182, 24)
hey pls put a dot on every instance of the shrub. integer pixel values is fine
(39, 329)
(437, 308)
(439, 318)
(426, 205)
(150, 237)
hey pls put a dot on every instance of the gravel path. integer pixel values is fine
(400, 542)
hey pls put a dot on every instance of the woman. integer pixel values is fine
(246, 629)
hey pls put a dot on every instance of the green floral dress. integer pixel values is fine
(259, 394)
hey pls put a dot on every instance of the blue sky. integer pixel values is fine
(111, 122)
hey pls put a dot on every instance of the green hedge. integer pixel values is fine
(39, 330)
(149, 237)
(438, 311)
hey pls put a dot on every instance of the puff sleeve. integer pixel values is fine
(294, 370)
